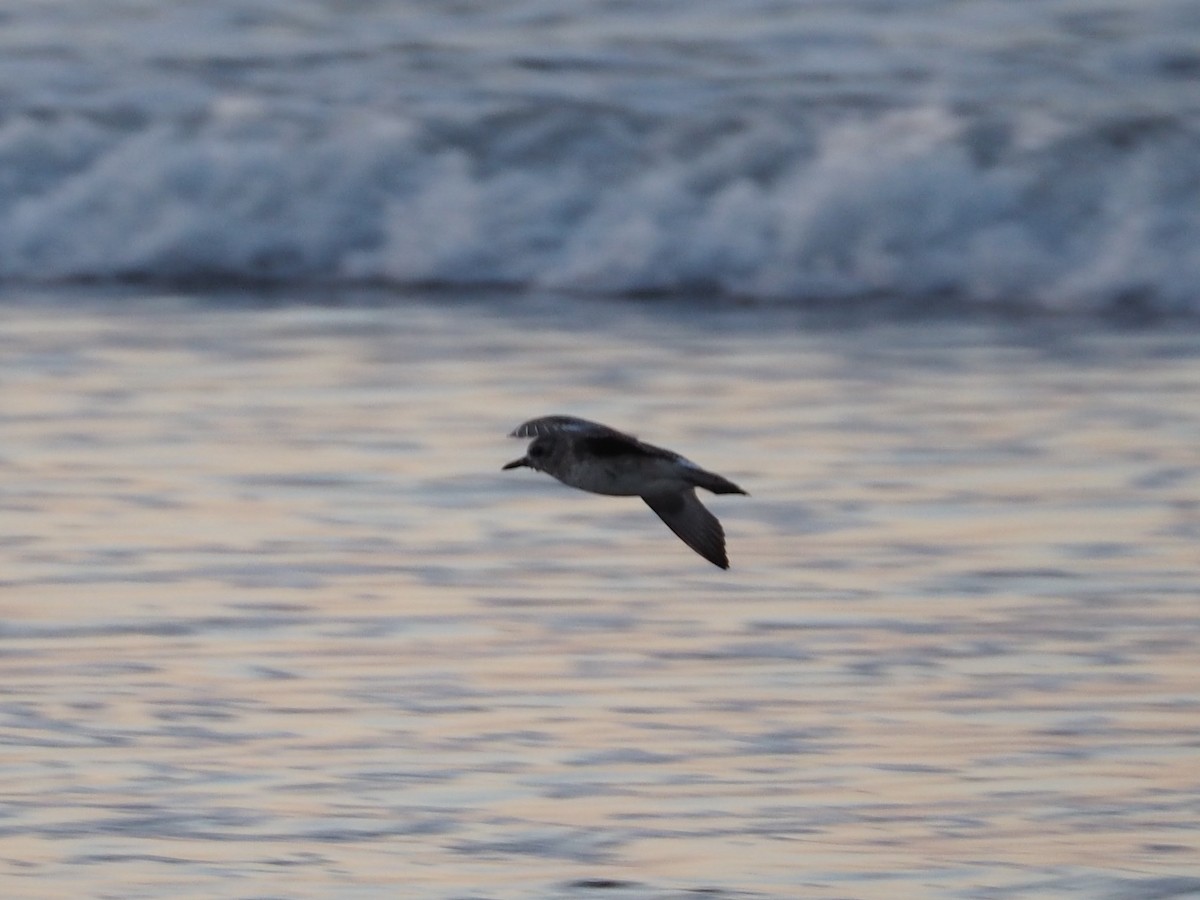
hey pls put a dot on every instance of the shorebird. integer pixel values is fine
(602, 460)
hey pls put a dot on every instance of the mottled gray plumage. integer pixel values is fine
(602, 460)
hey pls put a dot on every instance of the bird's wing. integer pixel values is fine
(592, 437)
(566, 425)
(692, 523)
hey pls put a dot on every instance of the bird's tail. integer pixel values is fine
(710, 481)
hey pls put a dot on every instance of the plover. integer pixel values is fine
(596, 458)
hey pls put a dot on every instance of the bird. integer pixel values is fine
(602, 460)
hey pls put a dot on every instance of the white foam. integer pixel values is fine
(779, 153)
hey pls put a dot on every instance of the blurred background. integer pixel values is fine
(277, 278)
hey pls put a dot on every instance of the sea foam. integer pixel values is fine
(992, 155)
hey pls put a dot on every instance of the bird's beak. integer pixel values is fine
(516, 463)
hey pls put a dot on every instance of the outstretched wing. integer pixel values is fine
(692, 523)
(593, 438)
(567, 425)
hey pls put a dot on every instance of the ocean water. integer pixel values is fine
(278, 276)
(1043, 155)
(275, 623)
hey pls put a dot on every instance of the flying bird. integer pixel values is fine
(602, 460)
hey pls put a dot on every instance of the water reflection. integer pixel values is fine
(275, 624)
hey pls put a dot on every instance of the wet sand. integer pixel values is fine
(276, 625)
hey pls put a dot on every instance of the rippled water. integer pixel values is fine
(275, 624)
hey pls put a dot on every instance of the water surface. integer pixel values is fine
(275, 624)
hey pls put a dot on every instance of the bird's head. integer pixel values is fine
(537, 456)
